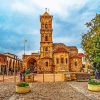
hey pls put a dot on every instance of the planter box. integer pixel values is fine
(22, 89)
(94, 87)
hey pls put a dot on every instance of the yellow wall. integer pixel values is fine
(79, 64)
(61, 66)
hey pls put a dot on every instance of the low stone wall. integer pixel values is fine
(29, 77)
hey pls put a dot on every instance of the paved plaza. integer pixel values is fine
(42, 91)
(48, 90)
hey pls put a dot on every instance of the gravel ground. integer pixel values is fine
(42, 91)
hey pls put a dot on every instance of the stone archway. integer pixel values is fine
(32, 64)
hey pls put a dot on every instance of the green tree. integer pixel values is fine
(91, 41)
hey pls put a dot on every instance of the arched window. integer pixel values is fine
(46, 48)
(75, 63)
(57, 60)
(62, 60)
(66, 60)
(46, 63)
(46, 38)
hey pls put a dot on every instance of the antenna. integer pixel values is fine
(25, 41)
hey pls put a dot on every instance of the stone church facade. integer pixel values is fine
(53, 57)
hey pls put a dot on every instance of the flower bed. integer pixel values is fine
(93, 85)
(22, 87)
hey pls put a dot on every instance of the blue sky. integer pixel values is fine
(19, 20)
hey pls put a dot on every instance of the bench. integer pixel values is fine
(82, 76)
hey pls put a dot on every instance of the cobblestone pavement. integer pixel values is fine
(42, 91)
(82, 88)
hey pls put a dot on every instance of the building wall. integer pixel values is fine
(59, 64)
(73, 52)
(45, 65)
(76, 64)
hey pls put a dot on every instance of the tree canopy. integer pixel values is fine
(91, 40)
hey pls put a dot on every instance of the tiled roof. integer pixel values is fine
(56, 45)
(60, 49)
(72, 47)
(76, 56)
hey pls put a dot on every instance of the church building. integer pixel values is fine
(53, 57)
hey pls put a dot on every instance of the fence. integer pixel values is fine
(44, 77)
(33, 77)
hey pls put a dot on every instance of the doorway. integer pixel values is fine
(32, 65)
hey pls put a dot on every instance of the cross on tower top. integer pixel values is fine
(46, 9)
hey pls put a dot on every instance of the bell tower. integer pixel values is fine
(46, 35)
(46, 44)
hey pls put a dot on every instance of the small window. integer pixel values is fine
(66, 60)
(57, 60)
(46, 38)
(75, 63)
(46, 63)
(62, 60)
(46, 48)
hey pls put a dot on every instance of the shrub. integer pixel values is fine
(22, 84)
(93, 82)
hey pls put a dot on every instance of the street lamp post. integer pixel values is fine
(25, 41)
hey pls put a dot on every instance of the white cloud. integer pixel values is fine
(59, 7)
(80, 50)
(20, 6)
(66, 39)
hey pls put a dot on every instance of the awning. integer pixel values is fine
(82, 55)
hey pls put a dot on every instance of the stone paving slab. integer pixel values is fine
(42, 91)
(82, 88)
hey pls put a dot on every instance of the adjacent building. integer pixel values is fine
(9, 63)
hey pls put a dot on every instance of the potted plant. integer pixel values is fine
(93, 85)
(22, 87)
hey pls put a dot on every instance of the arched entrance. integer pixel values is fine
(32, 64)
